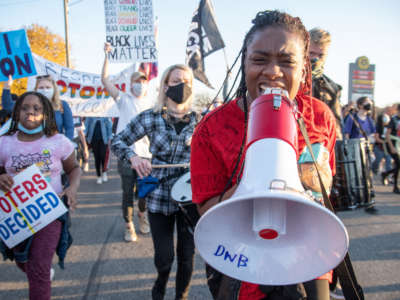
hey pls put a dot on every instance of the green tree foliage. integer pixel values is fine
(47, 44)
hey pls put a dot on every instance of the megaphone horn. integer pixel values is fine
(270, 231)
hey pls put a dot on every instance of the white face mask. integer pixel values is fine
(49, 92)
(138, 89)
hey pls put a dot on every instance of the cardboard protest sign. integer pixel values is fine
(29, 206)
(130, 30)
(15, 55)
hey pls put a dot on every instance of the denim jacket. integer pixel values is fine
(105, 125)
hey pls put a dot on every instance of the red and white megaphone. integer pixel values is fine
(270, 231)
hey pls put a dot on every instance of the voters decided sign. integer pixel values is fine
(29, 206)
(130, 30)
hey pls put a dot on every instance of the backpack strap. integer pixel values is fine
(347, 277)
(357, 123)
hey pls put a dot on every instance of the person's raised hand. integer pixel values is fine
(9, 82)
(107, 48)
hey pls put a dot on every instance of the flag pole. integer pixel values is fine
(226, 60)
(226, 81)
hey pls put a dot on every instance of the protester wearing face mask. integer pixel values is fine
(324, 88)
(380, 146)
(139, 87)
(32, 133)
(48, 87)
(169, 126)
(360, 119)
(129, 105)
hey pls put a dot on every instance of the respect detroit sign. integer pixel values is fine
(15, 55)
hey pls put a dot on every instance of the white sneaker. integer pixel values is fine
(144, 226)
(52, 272)
(99, 181)
(105, 178)
(130, 233)
(86, 167)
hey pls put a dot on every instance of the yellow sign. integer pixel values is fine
(363, 62)
(360, 81)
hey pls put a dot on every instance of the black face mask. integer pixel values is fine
(179, 93)
(367, 107)
(313, 62)
(317, 67)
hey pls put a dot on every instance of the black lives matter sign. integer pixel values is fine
(130, 30)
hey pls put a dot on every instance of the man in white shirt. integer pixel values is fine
(129, 105)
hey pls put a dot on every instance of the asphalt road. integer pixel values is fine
(100, 265)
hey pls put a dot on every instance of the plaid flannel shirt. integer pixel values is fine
(166, 146)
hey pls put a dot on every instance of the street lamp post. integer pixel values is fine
(66, 31)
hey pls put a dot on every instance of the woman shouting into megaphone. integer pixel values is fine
(274, 55)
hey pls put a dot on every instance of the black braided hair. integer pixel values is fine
(49, 122)
(273, 18)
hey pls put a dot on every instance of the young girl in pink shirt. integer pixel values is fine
(33, 139)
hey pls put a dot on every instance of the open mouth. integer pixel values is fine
(262, 87)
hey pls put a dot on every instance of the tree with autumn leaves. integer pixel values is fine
(45, 44)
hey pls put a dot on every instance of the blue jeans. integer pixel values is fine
(379, 155)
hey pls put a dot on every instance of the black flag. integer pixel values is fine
(204, 38)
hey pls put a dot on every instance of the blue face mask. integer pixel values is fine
(30, 131)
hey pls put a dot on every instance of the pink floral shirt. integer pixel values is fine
(47, 153)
